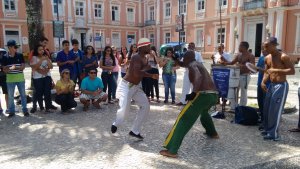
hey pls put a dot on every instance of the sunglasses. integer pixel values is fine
(67, 73)
(93, 72)
(89, 49)
(108, 50)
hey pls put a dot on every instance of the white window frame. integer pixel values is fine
(199, 41)
(183, 6)
(133, 14)
(169, 8)
(223, 6)
(217, 35)
(61, 7)
(152, 39)
(150, 13)
(116, 43)
(80, 7)
(182, 38)
(165, 37)
(102, 10)
(197, 5)
(297, 39)
(118, 12)
(9, 5)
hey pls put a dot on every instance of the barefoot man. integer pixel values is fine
(130, 88)
(203, 97)
(278, 66)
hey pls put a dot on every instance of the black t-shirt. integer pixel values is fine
(17, 60)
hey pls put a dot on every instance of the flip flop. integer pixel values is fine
(295, 130)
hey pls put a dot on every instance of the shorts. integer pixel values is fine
(90, 97)
(3, 84)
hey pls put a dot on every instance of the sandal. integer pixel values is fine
(295, 130)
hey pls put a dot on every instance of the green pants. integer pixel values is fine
(188, 116)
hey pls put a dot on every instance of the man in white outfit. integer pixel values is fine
(130, 88)
(187, 85)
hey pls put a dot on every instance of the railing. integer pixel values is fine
(254, 4)
(149, 22)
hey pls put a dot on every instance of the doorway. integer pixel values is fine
(83, 40)
(258, 39)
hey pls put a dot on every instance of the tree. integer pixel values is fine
(34, 10)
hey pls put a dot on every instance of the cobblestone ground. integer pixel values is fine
(83, 140)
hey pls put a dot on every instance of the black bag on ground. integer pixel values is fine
(246, 115)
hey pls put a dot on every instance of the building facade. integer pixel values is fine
(123, 22)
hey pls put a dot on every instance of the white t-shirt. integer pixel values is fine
(217, 57)
(44, 65)
(198, 57)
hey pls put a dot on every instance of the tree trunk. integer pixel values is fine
(34, 10)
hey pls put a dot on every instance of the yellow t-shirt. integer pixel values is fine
(60, 85)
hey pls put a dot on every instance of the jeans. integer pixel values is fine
(75, 77)
(116, 77)
(123, 74)
(34, 99)
(108, 83)
(43, 91)
(299, 106)
(11, 91)
(169, 83)
(260, 100)
(66, 101)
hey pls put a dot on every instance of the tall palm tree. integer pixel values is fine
(34, 10)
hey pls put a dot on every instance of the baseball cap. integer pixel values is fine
(143, 42)
(12, 43)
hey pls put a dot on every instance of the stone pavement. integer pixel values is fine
(83, 140)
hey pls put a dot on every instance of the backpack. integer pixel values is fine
(246, 115)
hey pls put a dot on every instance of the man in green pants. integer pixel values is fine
(203, 97)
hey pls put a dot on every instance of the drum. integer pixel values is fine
(234, 78)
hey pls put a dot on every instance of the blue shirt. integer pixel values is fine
(77, 66)
(261, 64)
(86, 61)
(63, 57)
(91, 85)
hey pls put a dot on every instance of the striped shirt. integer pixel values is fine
(14, 75)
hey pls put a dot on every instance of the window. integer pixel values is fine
(168, 9)
(221, 34)
(130, 15)
(57, 4)
(200, 38)
(151, 38)
(182, 6)
(201, 5)
(10, 5)
(116, 41)
(224, 3)
(98, 10)
(115, 13)
(151, 16)
(79, 8)
(182, 36)
(167, 37)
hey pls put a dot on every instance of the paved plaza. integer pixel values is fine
(83, 139)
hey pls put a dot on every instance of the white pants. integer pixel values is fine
(127, 92)
(243, 86)
(186, 86)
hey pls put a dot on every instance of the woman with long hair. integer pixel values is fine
(89, 60)
(64, 92)
(123, 60)
(150, 82)
(41, 65)
(132, 51)
(107, 64)
(115, 73)
(169, 74)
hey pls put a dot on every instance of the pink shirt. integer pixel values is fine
(117, 67)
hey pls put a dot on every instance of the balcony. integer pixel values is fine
(291, 2)
(251, 5)
(150, 22)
